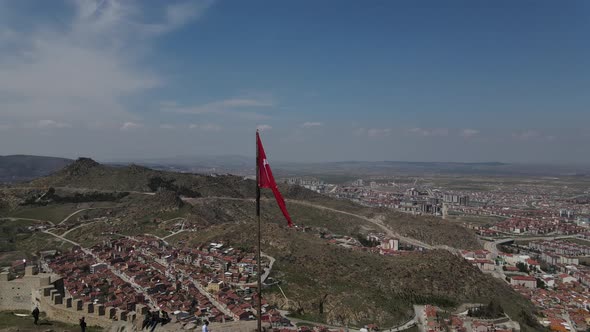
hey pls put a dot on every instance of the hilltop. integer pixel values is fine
(322, 282)
(86, 173)
(218, 201)
(17, 168)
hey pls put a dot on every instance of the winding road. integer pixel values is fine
(29, 219)
(85, 209)
(375, 222)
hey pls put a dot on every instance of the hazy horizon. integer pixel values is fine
(453, 81)
(186, 160)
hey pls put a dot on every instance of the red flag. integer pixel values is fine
(266, 180)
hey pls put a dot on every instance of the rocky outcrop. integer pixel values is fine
(80, 167)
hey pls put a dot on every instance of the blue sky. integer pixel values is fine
(324, 80)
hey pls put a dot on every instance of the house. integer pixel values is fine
(478, 326)
(214, 286)
(566, 278)
(548, 280)
(511, 268)
(484, 264)
(526, 281)
(390, 244)
(533, 264)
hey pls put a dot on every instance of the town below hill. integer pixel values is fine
(369, 251)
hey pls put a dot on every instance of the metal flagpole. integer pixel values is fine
(259, 236)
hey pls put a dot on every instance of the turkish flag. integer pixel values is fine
(266, 180)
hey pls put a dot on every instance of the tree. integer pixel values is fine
(522, 267)
(492, 310)
(321, 304)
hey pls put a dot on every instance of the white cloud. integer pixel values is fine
(205, 127)
(263, 127)
(432, 132)
(43, 124)
(469, 132)
(311, 124)
(168, 104)
(379, 132)
(130, 126)
(526, 135)
(359, 131)
(234, 106)
(80, 68)
(533, 135)
(179, 14)
(7, 35)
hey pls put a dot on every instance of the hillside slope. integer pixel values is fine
(323, 282)
(90, 175)
(341, 286)
(16, 168)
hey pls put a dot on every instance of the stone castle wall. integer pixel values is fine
(17, 294)
(38, 290)
(71, 310)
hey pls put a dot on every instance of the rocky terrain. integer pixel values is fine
(340, 286)
(322, 281)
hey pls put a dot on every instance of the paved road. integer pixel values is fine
(29, 219)
(86, 209)
(264, 275)
(269, 269)
(81, 225)
(61, 238)
(375, 222)
(178, 231)
(493, 246)
(296, 320)
(71, 215)
(220, 306)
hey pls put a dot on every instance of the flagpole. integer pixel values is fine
(259, 237)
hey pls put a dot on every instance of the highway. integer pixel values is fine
(493, 246)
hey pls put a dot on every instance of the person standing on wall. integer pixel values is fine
(83, 324)
(35, 314)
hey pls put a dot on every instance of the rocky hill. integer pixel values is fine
(86, 174)
(17, 168)
(324, 282)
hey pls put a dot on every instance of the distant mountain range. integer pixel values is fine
(241, 165)
(17, 168)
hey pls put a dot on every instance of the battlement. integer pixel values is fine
(68, 309)
(17, 293)
(38, 289)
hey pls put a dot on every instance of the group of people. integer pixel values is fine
(36, 313)
(152, 319)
